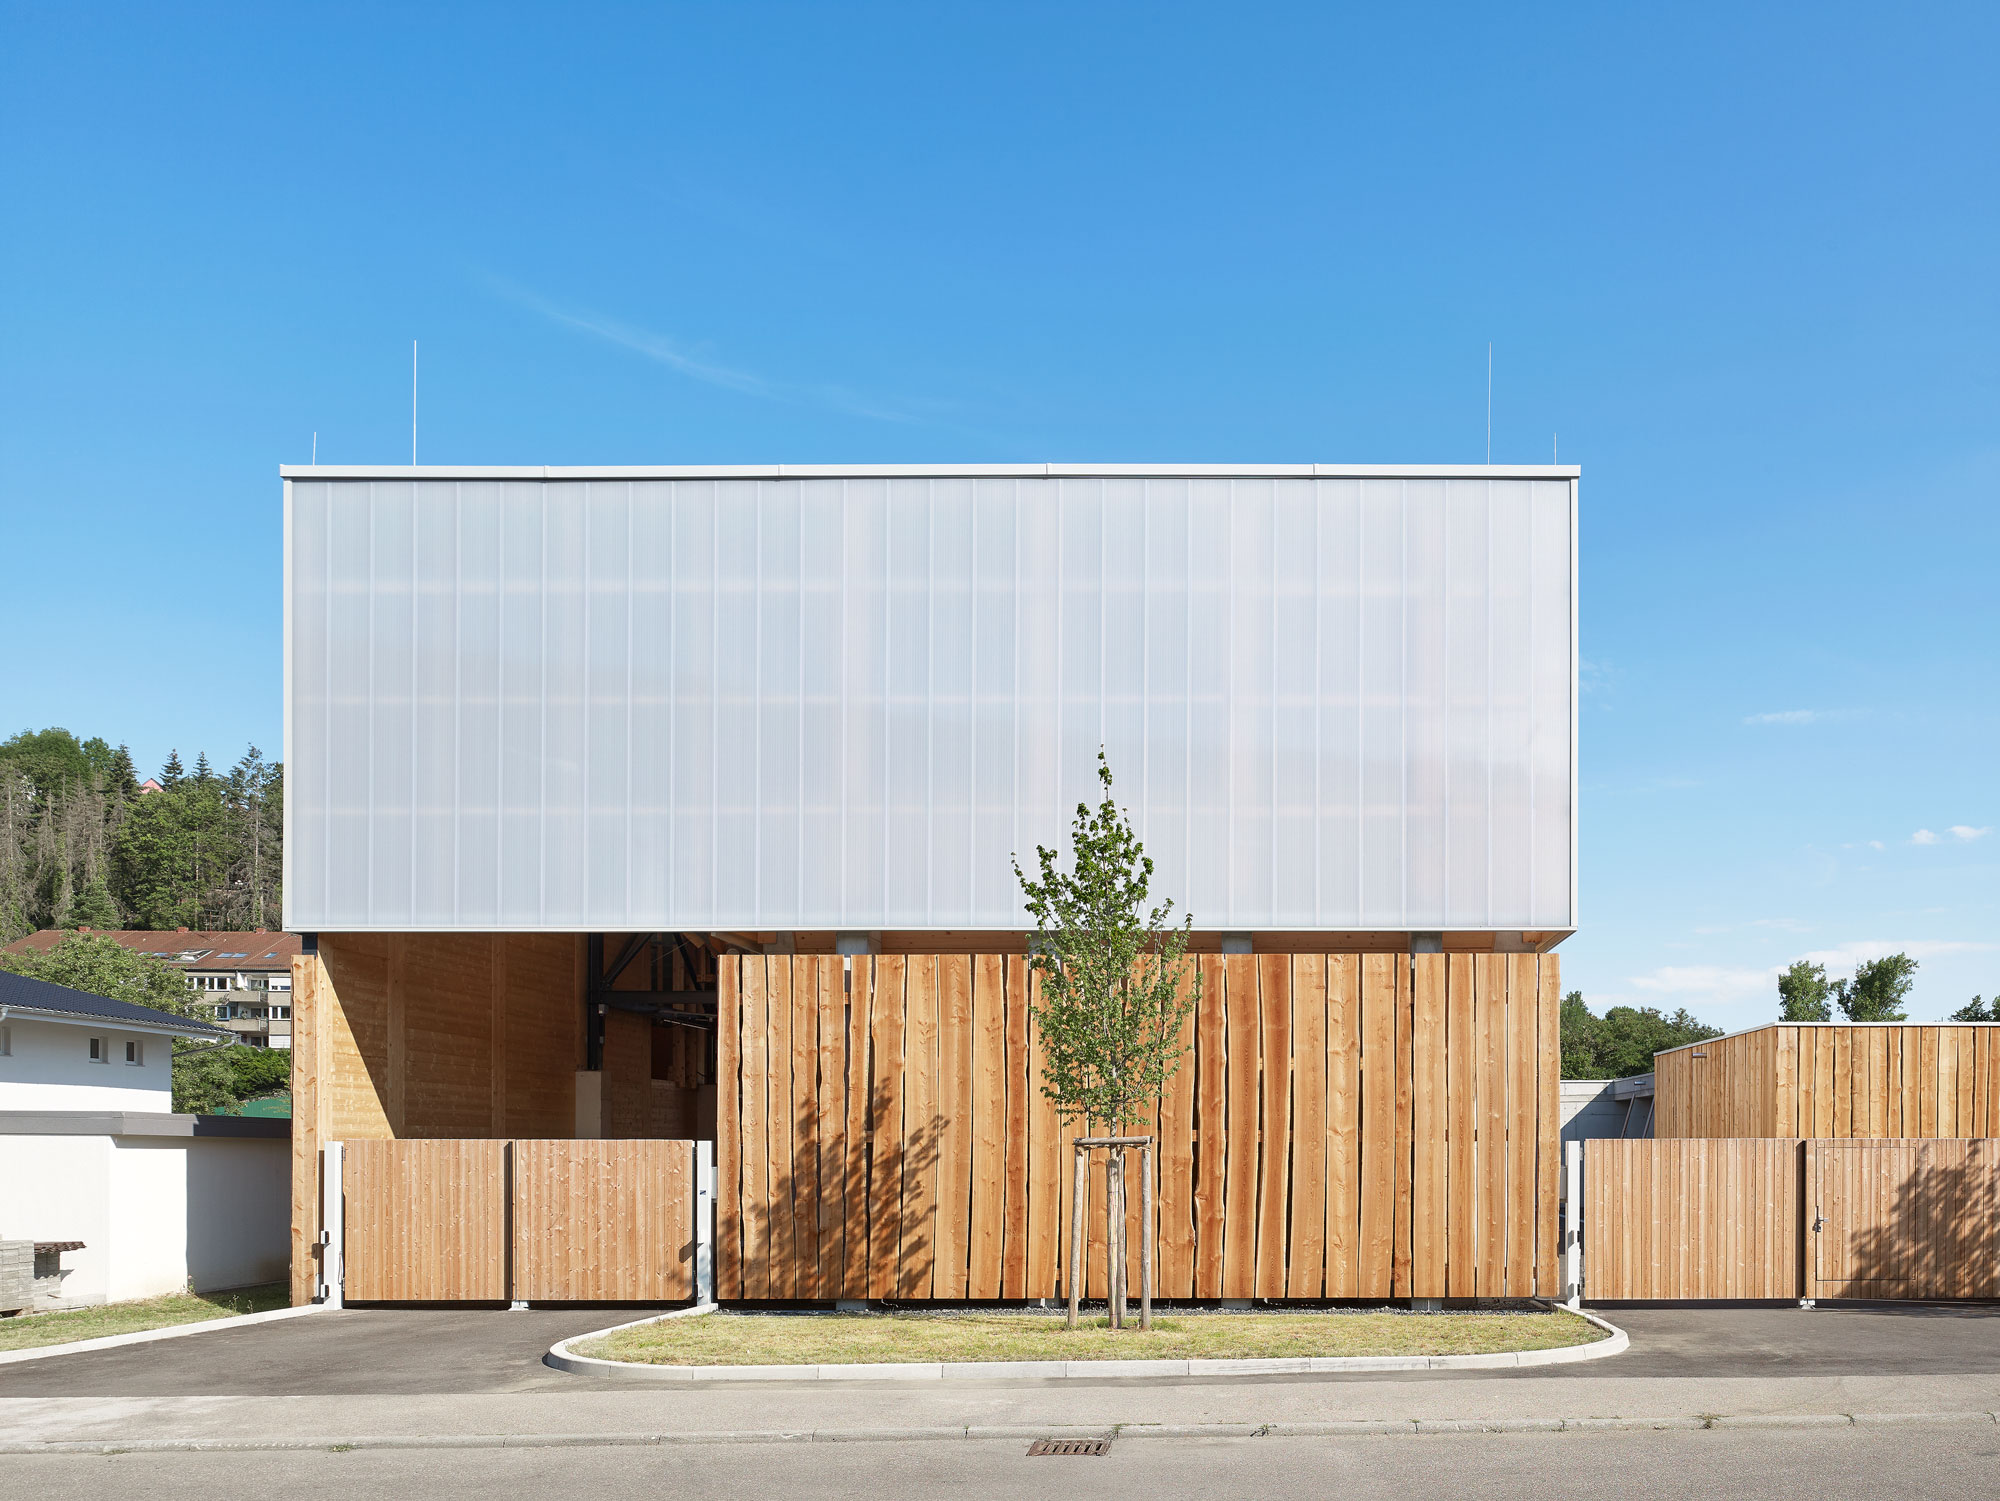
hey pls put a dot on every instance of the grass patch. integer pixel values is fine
(27, 1331)
(850, 1338)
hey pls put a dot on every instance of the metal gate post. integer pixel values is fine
(1573, 1223)
(333, 1229)
(704, 1222)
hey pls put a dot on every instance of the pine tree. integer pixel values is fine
(123, 783)
(202, 772)
(172, 774)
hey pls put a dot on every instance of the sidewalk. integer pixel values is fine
(607, 1415)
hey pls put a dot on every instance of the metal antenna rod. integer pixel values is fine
(413, 404)
(315, 448)
(1489, 402)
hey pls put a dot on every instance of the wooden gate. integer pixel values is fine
(1691, 1219)
(477, 1221)
(426, 1221)
(1906, 1219)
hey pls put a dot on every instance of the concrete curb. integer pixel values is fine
(564, 1358)
(1018, 1433)
(147, 1336)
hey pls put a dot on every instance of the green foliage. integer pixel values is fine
(1115, 995)
(215, 1080)
(1803, 993)
(1977, 1011)
(1877, 991)
(173, 856)
(1622, 1042)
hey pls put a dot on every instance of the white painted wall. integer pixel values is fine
(48, 1067)
(156, 1213)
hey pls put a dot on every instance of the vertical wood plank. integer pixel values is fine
(1022, 1087)
(1274, 1009)
(885, 1155)
(1174, 1267)
(1378, 1124)
(1211, 1115)
(803, 1124)
(1239, 1229)
(781, 1255)
(922, 1129)
(830, 996)
(1490, 1002)
(1306, 1263)
(857, 1185)
(1047, 1229)
(1430, 1130)
(729, 1259)
(1523, 1081)
(1463, 1042)
(954, 1101)
(988, 1122)
(755, 1086)
(1343, 1126)
(1399, 1257)
(1548, 1153)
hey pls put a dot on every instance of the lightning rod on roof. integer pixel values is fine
(1489, 402)
(413, 404)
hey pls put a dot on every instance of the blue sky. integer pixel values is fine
(1738, 260)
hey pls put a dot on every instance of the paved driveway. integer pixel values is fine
(443, 1351)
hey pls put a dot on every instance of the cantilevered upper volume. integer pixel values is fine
(1337, 699)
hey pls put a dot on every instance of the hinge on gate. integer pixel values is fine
(1818, 1220)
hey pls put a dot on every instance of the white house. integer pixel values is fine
(92, 1155)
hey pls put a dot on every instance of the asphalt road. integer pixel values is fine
(442, 1351)
(1941, 1462)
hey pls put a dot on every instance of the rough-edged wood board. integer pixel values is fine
(1211, 1126)
(307, 1108)
(1429, 1127)
(1343, 1126)
(1548, 1154)
(885, 1137)
(1306, 1262)
(923, 1130)
(1405, 1129)
(756, 1088)
(954, 1103)
(1462, 1205)
(1490, 1000)
(1274, 1006)
(830, 993)
(729, 1260)
(987, 1123)
(782, 1254)
(1523, 1080)
(1046, 1226)
(1239, 1194)
(1174, 1266)
(1378, 1125)
(860, 981)
(1021, 1087)
(803, 1121)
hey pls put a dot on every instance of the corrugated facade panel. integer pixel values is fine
(843, 702)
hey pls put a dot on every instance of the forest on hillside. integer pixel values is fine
(81, 846)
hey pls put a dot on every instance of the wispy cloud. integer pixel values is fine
(1715, 983)
(1923, 836)
(685, 360)
(1803, 716)
(1842, 958)
(1967, 832)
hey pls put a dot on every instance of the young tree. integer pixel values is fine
(1803, 992)
(1622, 1042)
(172, 774)
(1877, 991)
(1978, 1011)
(1114, 994)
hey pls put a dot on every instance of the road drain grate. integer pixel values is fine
(1069, 1446)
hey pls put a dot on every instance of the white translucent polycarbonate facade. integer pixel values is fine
(845, 702)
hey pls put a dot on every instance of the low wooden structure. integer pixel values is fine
(1344, 1126)
(1833, 1080)
(1782, 1218)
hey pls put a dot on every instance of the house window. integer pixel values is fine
(282, 1013)
(100, 1050)
(210, 982)
(135, 1052)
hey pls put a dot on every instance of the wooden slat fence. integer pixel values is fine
(483, 1221)
(426, 1221)
(1691, 1219)
(603, 1221)
(1722, 1218)
(1906, 1219)
(1345, 1126)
